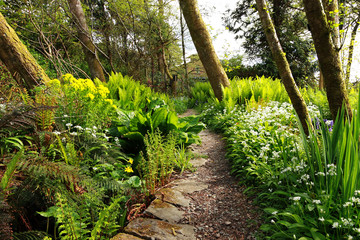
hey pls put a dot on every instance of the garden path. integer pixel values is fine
(205, 204)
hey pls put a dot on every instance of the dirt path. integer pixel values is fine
(221, 211)
(206, 204)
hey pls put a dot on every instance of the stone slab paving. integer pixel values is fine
(124, 236)
(198, 162)
(189, 185)
(172, 196)
(148, 228)
(165, 208)
(165, 211)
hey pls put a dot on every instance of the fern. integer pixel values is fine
(45, 116)
(23, 118)
(31, 235)
(10, 170)
(106, 225)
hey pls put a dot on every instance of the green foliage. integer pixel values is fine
(309, 190)
(157, 164)
(31, 235)
(132, 127)
(82, 102)
(200, 93)
(258, 89)
(81, 222)
(182, 159)
(10, 170)
(131, 94)
(181, 104)
(290, 24)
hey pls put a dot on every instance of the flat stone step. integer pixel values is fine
(124, 236)
(155, 229)
(165, 211)
(189, 185)
(172, 196)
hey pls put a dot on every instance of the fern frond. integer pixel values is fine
(30, 235)
(23, 117)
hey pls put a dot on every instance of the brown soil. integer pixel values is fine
(221, 211)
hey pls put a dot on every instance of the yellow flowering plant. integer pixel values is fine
(83, 101)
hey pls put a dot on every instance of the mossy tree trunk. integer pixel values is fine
(88, 46)
(328, 56)
(182, 27)
(17, 59)
(204, 47)
(283, 65)
(351, 52)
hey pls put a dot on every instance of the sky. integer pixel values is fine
(224, 41)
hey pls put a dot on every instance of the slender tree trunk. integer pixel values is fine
(283, 65)
(17, 59)
(328, 57)
(351, 52)
(331, 8)
(85, 40)
(204, 47)
(183, 49)
(321, 81)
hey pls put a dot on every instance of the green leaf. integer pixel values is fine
(159, 117)
(172, 120)
(10, 170)
(316, 235)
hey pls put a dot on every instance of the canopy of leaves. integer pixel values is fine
(291, 27)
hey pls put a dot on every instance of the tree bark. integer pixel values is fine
(351, 53)
(328, 56)
(331, 8)
(183, 50)
(88, 46)
(283, 65)
(204, 47)
(17, 59)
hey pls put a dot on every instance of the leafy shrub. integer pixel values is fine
(130, 94)
(240, 91)
(132, 127)
(181, 104)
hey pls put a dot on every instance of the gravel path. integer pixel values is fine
(221, 211)
(202, 205)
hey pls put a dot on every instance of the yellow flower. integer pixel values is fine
(90, 95)
(129, 169)
(67, 78)
(103, 91)
(110, 101)
(54, 83)
(130, 160)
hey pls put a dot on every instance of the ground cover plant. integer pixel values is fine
(306, 185)
(66, 176)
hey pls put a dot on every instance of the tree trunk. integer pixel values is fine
(183, 49)
(204, 47)
(321, 81)
(351, 53)
(84, 36)
(331, 8)
(17, 59)
(283, 65)
(328, 57)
